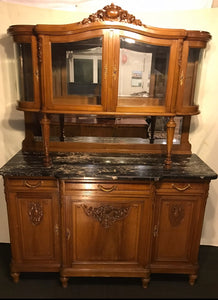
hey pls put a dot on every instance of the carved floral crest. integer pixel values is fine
(106, 215)
(112, 13)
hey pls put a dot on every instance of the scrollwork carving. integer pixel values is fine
(112, 13)
(176, 214)
(106, 215)
(35, 212)
(39, 50)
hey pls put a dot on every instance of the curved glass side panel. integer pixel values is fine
(25, 71)
(143, 71)
(190, 76)
(76, 72)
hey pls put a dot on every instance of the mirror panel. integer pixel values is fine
(104, 129)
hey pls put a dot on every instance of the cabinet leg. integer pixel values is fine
(15, 276)
(192, 279)
(145, 281)
(64, 281)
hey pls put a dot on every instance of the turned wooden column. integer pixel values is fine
(45, 124)
(170, 135)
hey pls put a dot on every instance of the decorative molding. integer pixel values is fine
(176, 214)
(106, 215)
(180, 53)
(39, 49)
(112, 13)
(35, 212)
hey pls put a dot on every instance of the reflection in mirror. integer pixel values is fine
(142, 73)
(76, 71)
(104, 129)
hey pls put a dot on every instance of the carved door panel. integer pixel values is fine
(106, 233)
(176, 229)
(34, 229)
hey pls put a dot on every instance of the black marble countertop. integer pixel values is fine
(107, 166)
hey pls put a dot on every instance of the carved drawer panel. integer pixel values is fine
(181, 187)
(107, 189)
(32, 184)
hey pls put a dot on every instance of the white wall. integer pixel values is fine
(204, 129)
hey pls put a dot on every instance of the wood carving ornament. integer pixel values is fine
(112, 13)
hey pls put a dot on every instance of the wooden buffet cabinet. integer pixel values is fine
(105, 183)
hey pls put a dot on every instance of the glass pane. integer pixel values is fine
(190, 76)
(142, 73)
(25, 72)
(76, 72)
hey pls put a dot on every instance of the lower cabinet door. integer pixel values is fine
(107, 238)
(176, 233)
(34, 231)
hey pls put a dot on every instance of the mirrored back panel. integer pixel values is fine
(104, 129)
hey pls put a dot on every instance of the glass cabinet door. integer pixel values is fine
(143, 74)
(76, 73)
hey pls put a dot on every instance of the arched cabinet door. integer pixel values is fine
(108, 70)
(147, 73)
(73, 72)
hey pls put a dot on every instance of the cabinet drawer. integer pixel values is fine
(181, 187)
(31, 184)
(107, 189)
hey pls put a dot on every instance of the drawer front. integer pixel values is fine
(30, 184)
(107, 189)
(181, 187)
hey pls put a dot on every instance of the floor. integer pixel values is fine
(161, 286)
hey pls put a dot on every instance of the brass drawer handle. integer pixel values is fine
(188, 186)
(107, 190)
(32, 186)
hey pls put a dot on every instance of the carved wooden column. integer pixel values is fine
(170, 135)
(45, 124)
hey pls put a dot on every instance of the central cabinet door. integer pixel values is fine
(108, 70)
(106, 228)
